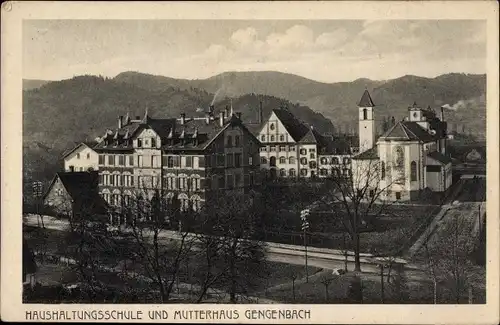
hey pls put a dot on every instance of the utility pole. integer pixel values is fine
(305, 226)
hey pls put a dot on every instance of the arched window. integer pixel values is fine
(262, 138)
(398, 156)
(292, 160)
(335, 160)
(365, 114)
(183, 184)
(312, 164)
(413, 171)
(303, 172)
(292, 172)
(272, 161)
(282, 172)
(323, 172)
(263, 160)
(184, 201)
(303, 161)
(195, 202)
(382, 170)
(282, 160)
(324, 160)
(195, 182)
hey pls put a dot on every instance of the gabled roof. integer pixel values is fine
(439, 157)
(82, 188)
(366, 100)
(294, 127)
(313, 136)
(410, 131)
(90, 144)
(369, 154)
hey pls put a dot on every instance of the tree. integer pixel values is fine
(449, 257)
(357, 199)
(230, 218)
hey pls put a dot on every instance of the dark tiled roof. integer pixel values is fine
(368, 154)
(366, 100)
(294, 127)
(336, 145)
(82, 188)
(436, 155)
(412, 131)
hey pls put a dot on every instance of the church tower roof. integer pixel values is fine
(366, 100)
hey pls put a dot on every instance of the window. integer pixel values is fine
(324, 161)
(282, 160)
(153, 142)
(272, 161)
(282, 172)
(303, 151)
(413, 171)
(312, 155)
(398, 195)
(272, 148)
(170, 161)
(335, 161)
(131, 160)
(312, 164)
(263, 149)
(229, 141)
(303, 161)
(155, 161)
(347, 161)
(111, 160)
(292, 160)
(121, 160)
(101, 159)
(292, 172)
(88, 155)
(271, 126)
(291, 148)
(146, 142)
(282, 138)
(237, 180)
(220, 160)
(229, 160)
(195, 182)
(111, 179)
(139, 143)
(263, 160)
(236, 140)
(303, 172)
(78, 156)
(282, 148)
(262, 138)
(382, 170)
(237, 160)
(189, 162)
(272, 138)
(139, 161)
(323, 172)
(182, 182)
(201, 161)
(312, 150)
(250, 161)
(365, 114)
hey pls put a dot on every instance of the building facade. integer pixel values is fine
(81, 158)
(291, 149)
(183, 158)
(407, 159)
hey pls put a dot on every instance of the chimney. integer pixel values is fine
(221, 118)
(238, 114)
(120, 122)
(442, 114)
(260, 113)
(226, 111)
(183, 118)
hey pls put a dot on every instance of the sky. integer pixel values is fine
(322, 50)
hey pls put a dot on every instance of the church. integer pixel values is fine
(408, 158)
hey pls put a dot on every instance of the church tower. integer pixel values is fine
(367, 131)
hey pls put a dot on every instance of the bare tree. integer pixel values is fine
(359, 198)
(449, 257)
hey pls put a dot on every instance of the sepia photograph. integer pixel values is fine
(252, 162)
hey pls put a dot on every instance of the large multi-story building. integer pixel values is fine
(292, 149)
(184, 158)
(410, 157)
